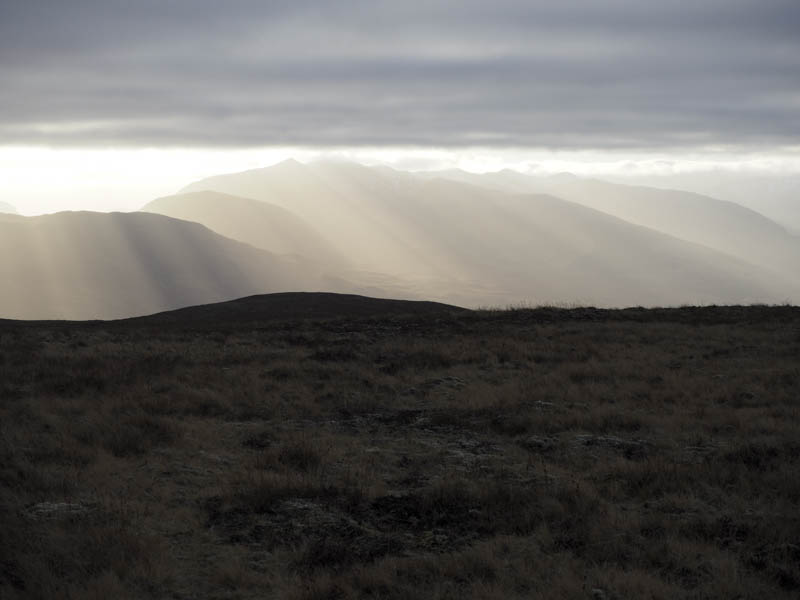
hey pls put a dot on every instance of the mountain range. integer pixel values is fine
(451, 236)
(7, 208)
(493, 238)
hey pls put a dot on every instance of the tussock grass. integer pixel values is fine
(557, 452)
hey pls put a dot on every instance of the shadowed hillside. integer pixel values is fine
(97, 265)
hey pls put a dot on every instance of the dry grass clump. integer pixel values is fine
(554, 453)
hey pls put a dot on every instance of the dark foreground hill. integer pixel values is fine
(543, 453)
(294, 305)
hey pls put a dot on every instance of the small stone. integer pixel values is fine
(57, 510)
(536, 443)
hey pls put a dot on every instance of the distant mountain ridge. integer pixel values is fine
(777, 197)
(719, 224)
(7, 208)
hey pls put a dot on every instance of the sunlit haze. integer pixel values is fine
(40, 180)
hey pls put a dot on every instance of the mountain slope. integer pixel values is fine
(95, 265)
(257, 223)
(7, 208)
(351, 204)
(469, 244)
(719, 224)
(776, 196)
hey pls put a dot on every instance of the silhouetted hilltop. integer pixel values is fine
(296, 305)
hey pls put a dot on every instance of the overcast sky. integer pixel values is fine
(106, 103)
(567, 74)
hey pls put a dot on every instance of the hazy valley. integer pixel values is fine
(467, 239)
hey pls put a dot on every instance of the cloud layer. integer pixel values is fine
(572, 74)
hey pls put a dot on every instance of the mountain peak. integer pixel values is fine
(290, 165)
(289, 162)
(5, 207)
(563, 176)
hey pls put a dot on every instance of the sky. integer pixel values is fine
(106, 104)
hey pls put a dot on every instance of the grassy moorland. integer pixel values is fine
(545, 453)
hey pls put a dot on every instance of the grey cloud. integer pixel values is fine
(568, 74)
